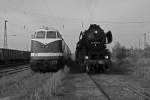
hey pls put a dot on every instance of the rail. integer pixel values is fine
(130, 88)
(100, 88)
(13, 70)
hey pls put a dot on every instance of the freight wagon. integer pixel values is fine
(10, 56)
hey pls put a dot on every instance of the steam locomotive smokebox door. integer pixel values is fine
(109, 37)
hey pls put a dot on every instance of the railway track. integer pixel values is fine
(130, 88)
(135, 90)
(13, 70)
(99, 87)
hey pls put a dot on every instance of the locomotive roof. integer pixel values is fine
(46, 29)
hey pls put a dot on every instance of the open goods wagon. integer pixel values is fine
(10, 56)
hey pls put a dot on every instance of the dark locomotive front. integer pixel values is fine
(91, 51)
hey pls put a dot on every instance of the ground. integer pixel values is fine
(71, 84)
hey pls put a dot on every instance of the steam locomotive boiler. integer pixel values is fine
(91, 50)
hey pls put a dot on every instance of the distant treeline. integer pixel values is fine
(120, 52)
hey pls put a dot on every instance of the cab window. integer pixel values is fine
(40, 34)
(58, 34)
(51, 34)
(33, 35)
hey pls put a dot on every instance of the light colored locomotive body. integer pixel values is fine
(48, 50)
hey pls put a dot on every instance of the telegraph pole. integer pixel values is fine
(139, 44)
(5, 35)
(145, 42)
(82, 25)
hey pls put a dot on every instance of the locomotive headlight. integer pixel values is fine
(95, 32)
(86, 57)
(106, 57)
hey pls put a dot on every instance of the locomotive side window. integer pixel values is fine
(40, 34)
(33, 35)
(51, 34)
(58, 35)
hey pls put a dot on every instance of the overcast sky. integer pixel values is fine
(127, 19)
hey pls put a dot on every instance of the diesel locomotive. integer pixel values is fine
(91, 52)
(49, 52)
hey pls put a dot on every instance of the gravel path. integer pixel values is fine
(78, 87)
(117, 87)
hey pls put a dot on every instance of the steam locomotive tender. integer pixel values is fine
(49, 52)
(91, 51)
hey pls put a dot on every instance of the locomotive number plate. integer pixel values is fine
(35, 54)
(95, 43)
(101, 62)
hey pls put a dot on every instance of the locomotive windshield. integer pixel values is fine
(40, 34)
(51, 34)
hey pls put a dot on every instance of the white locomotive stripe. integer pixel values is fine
(46, 41)
(46, 54)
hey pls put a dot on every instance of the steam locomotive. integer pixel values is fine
(91, 51)
(49, 52)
